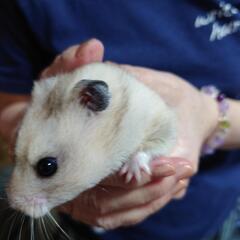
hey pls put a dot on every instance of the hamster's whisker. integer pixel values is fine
(45, 233)
(32, 228)
(32, 223)
(60, 228)
(12, 216)
(22, 223)
(16, 214)
(39, 228)
(45, 225)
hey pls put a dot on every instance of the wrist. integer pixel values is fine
(222, 129)
(232, 140)
(212, 116)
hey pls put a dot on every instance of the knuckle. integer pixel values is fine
(183, 193)
(105, 224)
(180, 194)
(183, 183)
(100, 222)
(195, 170)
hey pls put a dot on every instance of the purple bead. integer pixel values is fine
(218, 141)
(220, 97)
(210, 90)
(223, 107)
(223, 125)
(207, 150)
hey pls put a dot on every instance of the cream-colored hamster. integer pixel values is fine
(81, 127)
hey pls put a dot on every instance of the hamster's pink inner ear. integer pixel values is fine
(93, 94)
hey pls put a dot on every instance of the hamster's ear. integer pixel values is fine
(93, 94)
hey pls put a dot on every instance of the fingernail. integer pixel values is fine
(184, 171)
(86, 43)
(163, 170)
(160, 162)
(79, 50)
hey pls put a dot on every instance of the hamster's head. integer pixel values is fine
(63, 144)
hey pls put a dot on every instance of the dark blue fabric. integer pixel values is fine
(152, 33)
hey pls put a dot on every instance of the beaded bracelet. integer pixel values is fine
(223, 127)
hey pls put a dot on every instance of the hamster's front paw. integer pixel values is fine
(132, 168)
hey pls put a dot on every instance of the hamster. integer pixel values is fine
(81, 127)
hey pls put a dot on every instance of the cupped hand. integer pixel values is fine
(113, 203)
(75, 56)
(196, 112)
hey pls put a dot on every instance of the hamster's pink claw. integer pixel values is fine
(124, 169)
(133, 167)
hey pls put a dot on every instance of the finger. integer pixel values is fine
(182, 167)
(78, 211)
(91, 51)
(88, 52)
(132, 216)
(180, 191)
(82, 210)
(163, 169)
(179, 195)
(138, 214)
(180, 185)
(75, 56)
(126, 199)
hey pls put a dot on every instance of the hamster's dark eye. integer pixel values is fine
(46, 167)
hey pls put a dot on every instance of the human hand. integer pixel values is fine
(196, 112)
(75, 56)
(113, 203)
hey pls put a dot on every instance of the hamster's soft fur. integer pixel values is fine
(88, 145)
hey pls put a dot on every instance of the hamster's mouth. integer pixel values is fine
(36, 211)
(33, 207)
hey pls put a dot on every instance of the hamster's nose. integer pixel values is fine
(35, 200)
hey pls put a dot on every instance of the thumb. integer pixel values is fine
(88, 52)
(75, 56)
